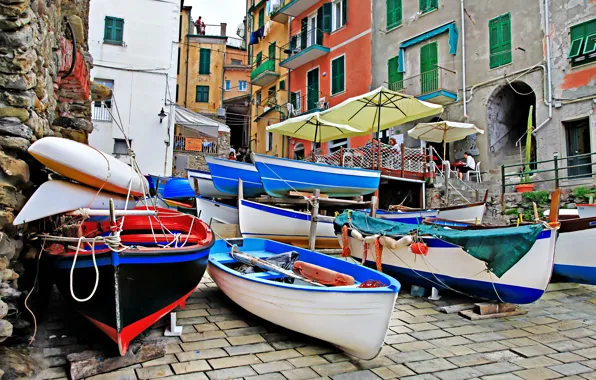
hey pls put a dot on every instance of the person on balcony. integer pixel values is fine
(470, 165)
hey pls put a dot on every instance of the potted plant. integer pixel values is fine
(525, 186)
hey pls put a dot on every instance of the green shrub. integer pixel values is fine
(540, 197)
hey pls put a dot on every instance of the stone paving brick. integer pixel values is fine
(451, 323)
(245, 339)
(225, 325)
(537, 361)
(211, 353)
(535, 350)
(336, 357)
(235, 361)
(430, 334)
(566, 357)
(246, 331)
(410, 356)
(249, 349)
(487, 346)
(231, 373)
(205, 344)
(380, 361)
(589, 376)
(192, 366)
(307, 361)
(222, 318)
(206, 327)
(422, 326)
(401, 329)
(334, 368)
(428, 366)
(125, 374)
(197, 337)
(278, 355)
(538, 374)
(419, 319)
(515, 333)
(578, 333)
(269, 376)
(458, 374)
(497, 368)
(566, 325)
(446, 352)
(191, 313)
(452, 341)
(315, 350)
(299, 374)
(539, 329)
(548, 338)
(517, 342)
(484, 337)
(154, 372)
(219, 311)
(542, 320)
(277, 366)
(358, 375)
(470, 360)
(166, 359)
(190, 321)
(426, 376)
(399, 338)
(504, 376)
(173, 348)
(570, 369)
(287, 345)
(421, 312)
(462, 330)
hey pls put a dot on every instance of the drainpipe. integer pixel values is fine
(548, 64)
(187, 58)
(463, 58)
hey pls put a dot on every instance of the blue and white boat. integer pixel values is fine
(225, 174)
(352, 317)
(574, 258)
(282, 175)
(178, 188)
(468, 213)
(520, 259)
(211, 211)
(202, 184)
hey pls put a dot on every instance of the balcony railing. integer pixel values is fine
(437, 85)
(101, 111)
(295, 7)
(211, 30)
(268, 65)
(193, 144)
(303, 48)
(236, 42)
(315, 102)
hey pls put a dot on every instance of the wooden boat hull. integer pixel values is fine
(324, 313)
(574, 258)
(448, 266)
(136, 287)
(210, 211)
(263, 221)
(202, 184)
(88, 165)
(281, 175)
(225, 175)
(471, 213)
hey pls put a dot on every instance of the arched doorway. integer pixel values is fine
(507, 122)
(298, 152)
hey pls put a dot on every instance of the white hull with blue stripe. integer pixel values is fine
(352, 318)
(575, 260)
(204, 184)
(225, 174)
(449, 266)
(259, 220)
(210, 211)
(281, 175)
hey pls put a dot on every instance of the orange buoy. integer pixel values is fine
(419, 248)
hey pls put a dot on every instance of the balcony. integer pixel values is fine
(316, 102)
(295, 7)
(264, 74)
(435, 86)
(303, 48)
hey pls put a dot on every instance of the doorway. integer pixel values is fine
(577, 139)
(312, 89)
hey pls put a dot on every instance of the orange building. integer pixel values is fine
(329, 58)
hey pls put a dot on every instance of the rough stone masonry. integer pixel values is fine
(44, 91)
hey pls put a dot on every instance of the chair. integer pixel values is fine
(477, 172)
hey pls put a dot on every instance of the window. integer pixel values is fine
(120, 146)
(271, 96)
(394, 78)
(101, 110)
(500, 40)
(204, 61)
(228, 85)
(295, 100)
(178, 67)
(236, 61)
(393, 13)
(338, 75)
(112, 32)
(426, 6)
(582, 48)
(272, 53)
(429, 69)
(202, 94)
(282, 85)
(335, 145)
(177, 91)
(261, 17)
(259, 59)
(269, 141)
(242, 85)
(258, 98)
(338, 15)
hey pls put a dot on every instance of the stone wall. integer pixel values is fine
(196, 160)
(44, 91)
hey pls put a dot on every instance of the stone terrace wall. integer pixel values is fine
(40, 95)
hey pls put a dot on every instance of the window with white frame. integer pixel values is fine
(228, 85)
(242, 85)
(101, 110)
(337, 18)
(335, 145)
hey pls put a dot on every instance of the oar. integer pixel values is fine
(245, 258)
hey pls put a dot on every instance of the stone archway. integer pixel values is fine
(507, 118)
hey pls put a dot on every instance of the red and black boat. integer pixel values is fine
(160, 263)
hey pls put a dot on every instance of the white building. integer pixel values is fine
(135, 51)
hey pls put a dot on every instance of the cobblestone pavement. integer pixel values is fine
(556, 339)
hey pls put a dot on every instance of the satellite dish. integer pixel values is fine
(240, 30)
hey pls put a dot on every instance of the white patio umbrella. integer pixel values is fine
(312, 127)
(443, 131)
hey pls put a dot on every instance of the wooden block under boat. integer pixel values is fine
(302, 194)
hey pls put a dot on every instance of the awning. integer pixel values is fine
(198, 122)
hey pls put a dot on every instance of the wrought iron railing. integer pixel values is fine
(316, 101)
(100, 111)
(268, 65)
(424, 83)
(301, 41)
(192, 144)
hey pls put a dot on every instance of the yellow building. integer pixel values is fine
(237, 92)
(269, 81)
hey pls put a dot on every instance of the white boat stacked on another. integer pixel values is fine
(209, 211)
(575, 260)
(351, 315)
(202, 183)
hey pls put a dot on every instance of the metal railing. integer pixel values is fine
(300, 42)
(211, 29)
(268, 65)
(100, 111)
(299, 105)
(562, 168)
(193, 144)
(427, 82)
(236, 42)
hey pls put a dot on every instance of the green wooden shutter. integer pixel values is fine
(433, 4)
(272, 47)
(259, 59)
(393, 76)
(118, 30)
(506, 39)
(261, 17)
(303, 33)
(108, 29)
(590, 45)
(205, 61)
(393, 13)
(338, 75)
(282, 85)
(494, 43)
(319, 31)
(327, 8)
(398, 12)
(429, 80)
(344, 12)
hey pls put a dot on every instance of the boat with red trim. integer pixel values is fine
(131, 282)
